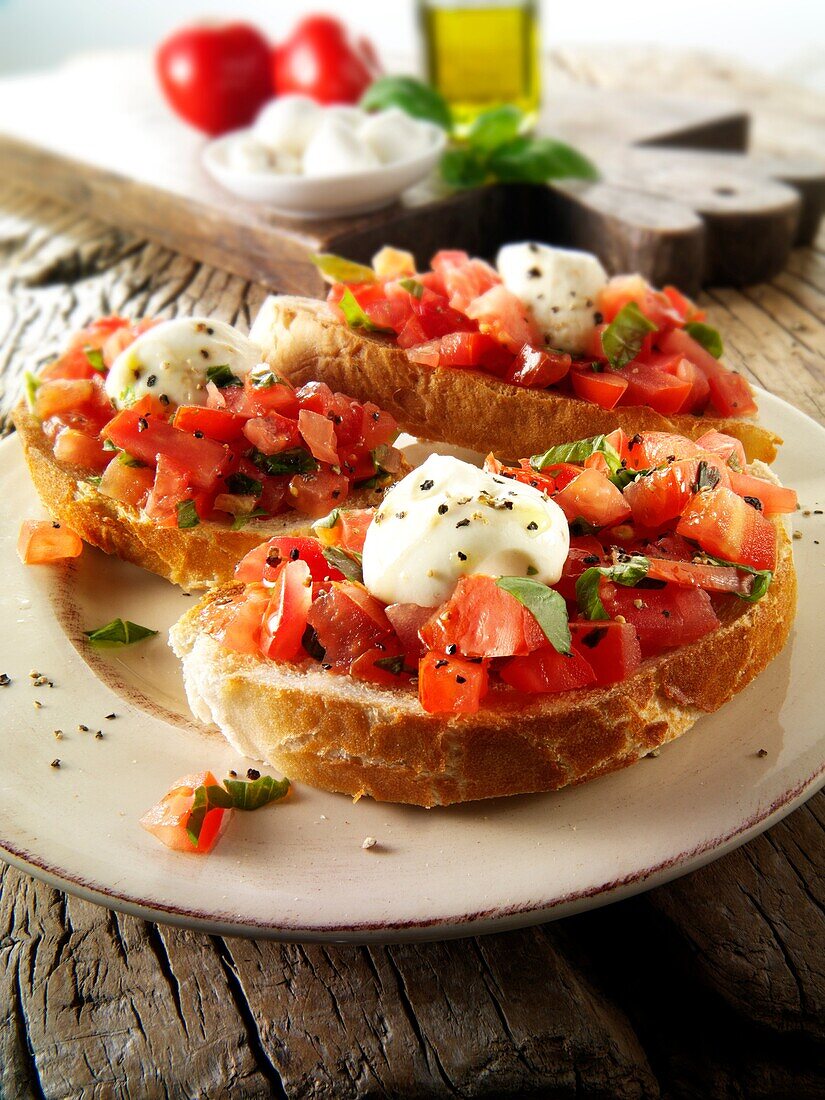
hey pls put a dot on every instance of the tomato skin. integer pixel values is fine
(725, 446)
(602, 388)
(451, 685)
(42, 542)
(348, 622)
(322, 60)
(655, 388)
(76, 448)
(591, 497)
(776, 499)
(687, 574)
(544, 671)
(663, 494)
(611, 649)
(501, 314)
(537, 368)
(463, 279)
(215, 77)
(128, 484)
(262, 563)
(203, 459)
(407, 619)
(668, 617)
(365, 667)
(272, 434)
(285, 618)
(319, 435)
(727, 527)
(237, 626)
(316, 494)
(482, 620)
(218, 424)
(171, 487)
(730, 393)
(168, 819)
(377, 426)
(649, 449)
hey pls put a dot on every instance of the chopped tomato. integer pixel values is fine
(584, 552)
(545, 670)
(727, 527)
(128, 484)
(655, 388)
(713, 578)
(651, 449)
(172, 487)
(261, 564)
(501, 314)
(694, 376)
(74, 448)
(276, 396)
(64, 398)
(285, 619)
(237, 625)
(463, 279)
(349, 529)
(730, 393)
(377, 426)
(612, 650)
(168, 819)
(407, 620)
(775, 499)
(218, 424)
(482, 620)
(42, 542)
(273, 433)
(412, 334)
(318, 493)
(538, 369)
(654, 304)
(725, 446)
(684, 307)
(591, 497)
(319, 435)
(348, 622)
(147, 437)
(602, 388)
(662, 617)
(451, 685)
(662, 494)
(369, 666)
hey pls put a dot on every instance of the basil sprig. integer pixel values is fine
(707, 336)
(222, 376)
(412, 96)
(187, 514)
(347, 562)
(623, 338)
(94, 357)
(627, 573)
(243, 485)
(239, 522)
(354, 314)
(294, 461)
(337, 269)
(119, 632)
(545, 605)
(762, 578)
(577, 452)
(235, 794)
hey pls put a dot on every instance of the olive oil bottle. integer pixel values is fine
(480, 53)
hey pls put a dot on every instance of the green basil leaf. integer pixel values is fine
(31, 384)
(125, 459)
(495, 127)
(412, 96)
(347, 562)
(545, 605)
(707, 336)
(336, 269)
(263, 377)
(94, 357)
(295, 461)
(627, 573)
(94, 479)
(243, 485)
(412, 286)
(462, 167)
(222, 376)
(255, 793)
(395, 665)
(205, 799)
(355, 316)
(187, 514)
(239, 522)
(762, 578)
(108, 445)
(119, 632)
(536, 160)
(328, 520)
(578, 451)
(623, 338)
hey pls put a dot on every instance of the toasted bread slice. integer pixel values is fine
(193, 558)
(343, 735)
(305, 341)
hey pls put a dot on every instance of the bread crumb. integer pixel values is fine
(762, 752)
(368, 842)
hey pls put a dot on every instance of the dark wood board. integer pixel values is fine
(123, 156)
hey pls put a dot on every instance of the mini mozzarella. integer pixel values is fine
(246, 154)
(354, 117)
(393, 135)
(559, 288)
(447, 519)
(336, 150)
(287, 124)
(172, 359)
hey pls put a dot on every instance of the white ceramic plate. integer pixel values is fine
(328, 196)
(297, 870)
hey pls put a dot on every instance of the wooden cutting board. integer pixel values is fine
(679, 200)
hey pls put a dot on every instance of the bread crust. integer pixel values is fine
(195, 557)
(305, 341)
(335, 733)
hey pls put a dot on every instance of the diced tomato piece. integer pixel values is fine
(650, 449)
(464, 279)
(451, 685)
(172, 487)
(317, 493)
(349, 529)
(775, 499)
(273, 434)
(663, 494)
(389, 313)
(437, 318)
(168, 819)
(42, 542)
(62, 395)
(128, 484)
(623, 289)
(261, 564)
(504, 316)
(393, 263)
(713, 578)
(237, 625)
(730, 393)
(377, 426)
(316, 396)
(274, 497)
(74, 448)
(602, 388)
(727, 527)
(648, 386)
(694, 376)
(412, 334)
(260, 400)
(348, 622)
(367, 667)
(427, 354)
(285, 619)
(725, 446)
(319, 435)
(538, 369)
(591, 497)
(663, 617)
(584, 552)
(218, 424)
(148, 437)
(482, 620)
(611, 649)
(407, 620)
(684, 307)
(545, 670)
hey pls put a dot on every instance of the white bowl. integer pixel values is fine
(299, 196)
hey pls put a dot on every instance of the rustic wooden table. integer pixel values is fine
(713, 986)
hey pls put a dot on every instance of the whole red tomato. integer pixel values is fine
(215, 76)
(322, 60)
